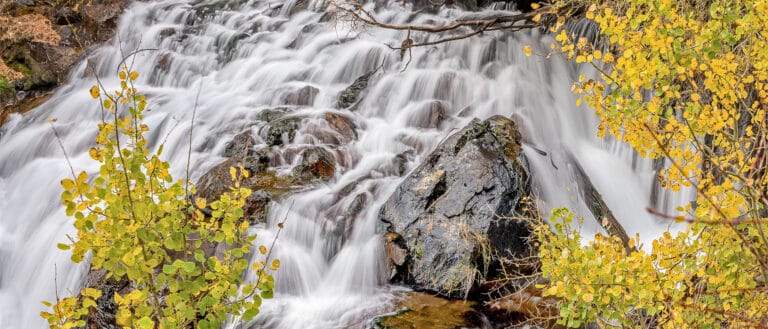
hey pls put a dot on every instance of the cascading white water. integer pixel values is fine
(244, 57)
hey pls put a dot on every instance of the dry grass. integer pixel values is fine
(8, 73)
(28, 28)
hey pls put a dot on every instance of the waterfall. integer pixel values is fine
(246, 57)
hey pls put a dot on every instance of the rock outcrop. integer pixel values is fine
(451, 221)
(40, 40)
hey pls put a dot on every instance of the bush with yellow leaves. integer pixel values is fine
(137, 223)
(687, 82)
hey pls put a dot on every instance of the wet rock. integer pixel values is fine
(256, 208)
(217, 180)
(456, 208)
(269, 115)
(397, 253)
(239, 145)
(353, 210)
(281, 131)
(322, 135)
(350, 95)
(341, 124)
(303, 96)
(300, 5)
(316, 163)
(401, 164)
(167, 32)
(431, 115)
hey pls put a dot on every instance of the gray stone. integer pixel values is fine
(350, 95)
(341, 124)
(256, 208)
(281, 131)
(455, 210)
(303, 96)
(239, 145)
(316, 163)
(430, 115)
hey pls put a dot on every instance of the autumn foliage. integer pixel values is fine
(138, 224)
(685, 82)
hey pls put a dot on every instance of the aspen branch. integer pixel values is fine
(543, 16)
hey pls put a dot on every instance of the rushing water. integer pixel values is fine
(244, 57)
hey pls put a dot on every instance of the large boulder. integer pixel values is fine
(450, 222)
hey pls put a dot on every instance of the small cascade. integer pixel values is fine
(252, 61)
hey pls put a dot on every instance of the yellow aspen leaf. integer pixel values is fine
(95, 92)
(133, 75)
(233, 173)
(275, 265)
(695, 97)
(68, 184)
(263, 250)
(122, 75)
(91, 292)
(535, 5)
(200, 203)
(527, 50)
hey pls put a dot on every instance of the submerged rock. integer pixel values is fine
(336, 129)
(316, 163)
(303, 96)
(342, 125)
(350, 95)
(455, 210)
(430, 115)
(419, 310)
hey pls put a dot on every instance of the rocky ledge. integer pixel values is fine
(452, 225)
(40, 40)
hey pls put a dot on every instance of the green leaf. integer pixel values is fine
(169, 269)
(200, 256)
(188, 267)
(250, 313)
(145, 323)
